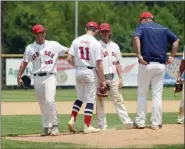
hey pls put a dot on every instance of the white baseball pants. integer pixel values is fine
(86, 84)
(181, 108)
(118, 102)
(45, 87)
(151, 74)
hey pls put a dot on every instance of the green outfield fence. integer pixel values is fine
(5, 56)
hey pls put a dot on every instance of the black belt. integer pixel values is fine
(42, 74)
(109, 76)
(89, 67)
(159, 61)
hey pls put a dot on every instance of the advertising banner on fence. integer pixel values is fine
(66, 73)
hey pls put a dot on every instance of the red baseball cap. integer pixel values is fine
(38, 28)
(105, 27)
(145, 15)
(93, 24)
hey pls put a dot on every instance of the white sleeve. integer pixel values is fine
(27, 56)
(98, 52)
(71, 49)
(118, 54)
(61, 49)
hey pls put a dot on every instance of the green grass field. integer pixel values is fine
(19, 124)
(70, 95)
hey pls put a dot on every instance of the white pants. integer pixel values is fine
(118, 102)
(86, 84)
(45, 87)
(151, 74)
(181, 108)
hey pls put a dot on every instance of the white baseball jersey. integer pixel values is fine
(86, 51)
(44, 56)
(112, 56)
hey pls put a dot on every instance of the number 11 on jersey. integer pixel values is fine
(84, 53)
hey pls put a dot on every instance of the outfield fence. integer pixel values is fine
(65, 72)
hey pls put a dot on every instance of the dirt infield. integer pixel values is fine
(27, 108)
(169, 134)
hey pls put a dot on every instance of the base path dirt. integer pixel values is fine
(27, 108)
(169, 134)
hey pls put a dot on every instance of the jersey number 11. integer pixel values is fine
(86, 55)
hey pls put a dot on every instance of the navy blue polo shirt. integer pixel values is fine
(154, 39)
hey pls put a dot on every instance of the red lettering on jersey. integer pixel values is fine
(81, 52)
(49, 62)
(86, 55)
(113, 54)
(52, 55)
(49, 53)
(105, 54)
(35, 55)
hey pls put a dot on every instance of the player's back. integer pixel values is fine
(84, 48)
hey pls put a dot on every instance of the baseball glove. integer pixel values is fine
(103, 92)
(26, 81)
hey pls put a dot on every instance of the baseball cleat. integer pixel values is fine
(46, 132)
(71, 125)
(90, 129)
(156, 127)
(54, 131)
(180, 121)
(138, 126)
(129, 125)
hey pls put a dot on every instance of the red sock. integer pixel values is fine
(74, 114)
(87, 120)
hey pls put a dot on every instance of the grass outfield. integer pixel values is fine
(70, 95)
(17, 125)
(31, 124)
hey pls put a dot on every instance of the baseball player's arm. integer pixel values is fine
(20, 72)
(99, 70)
(119, 72)
(136, 42)
(181, 70)
(70, 59)
(137, 45)
(175, 45)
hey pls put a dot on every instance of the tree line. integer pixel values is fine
(17, 19)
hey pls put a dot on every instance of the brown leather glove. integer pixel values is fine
(103, 91)
(178, 87)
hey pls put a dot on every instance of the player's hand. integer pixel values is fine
(120, 83)
(103, 84)
(141, 60)
(170, 60)
(19, 81)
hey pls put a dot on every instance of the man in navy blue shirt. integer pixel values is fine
(150, 42)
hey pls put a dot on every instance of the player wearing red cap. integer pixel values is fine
(85, 55)
(43, 54)
(113, 76)
(150, 42)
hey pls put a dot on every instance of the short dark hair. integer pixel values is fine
(91, 28)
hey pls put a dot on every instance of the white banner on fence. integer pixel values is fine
(129, 70)
(66, 73)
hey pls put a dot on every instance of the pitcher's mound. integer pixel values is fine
(169, 134)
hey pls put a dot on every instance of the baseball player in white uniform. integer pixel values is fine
(43, 54)
(180, 119)
(86, 56)
(113, 76)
